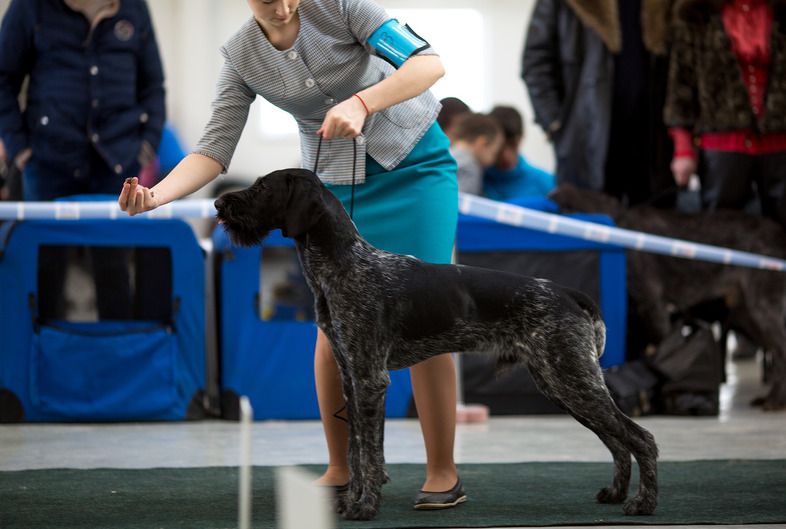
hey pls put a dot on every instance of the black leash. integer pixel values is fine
(354, 172)
(351, 211)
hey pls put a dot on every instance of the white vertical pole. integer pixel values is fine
(244, 497)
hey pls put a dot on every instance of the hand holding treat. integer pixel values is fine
(136, 198)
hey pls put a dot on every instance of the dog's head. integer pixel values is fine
(571, 199)
(290, 200)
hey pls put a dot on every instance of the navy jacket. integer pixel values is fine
(101, 89)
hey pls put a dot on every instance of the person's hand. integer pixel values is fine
(135, 198)
(682, 167)
(146, 154)
(344, 120)
(23, 157)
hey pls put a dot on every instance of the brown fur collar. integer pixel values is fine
(602, 17)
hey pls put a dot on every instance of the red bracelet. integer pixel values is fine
(364, 104)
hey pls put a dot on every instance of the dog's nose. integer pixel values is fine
(219, 203)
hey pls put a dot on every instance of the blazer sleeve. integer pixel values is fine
(17, 55)
(151, 83)
(681, 106)
(230, 109)
(364, 17)
(541, 69)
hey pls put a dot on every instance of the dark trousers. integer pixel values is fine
(146, 295)
(733, 180)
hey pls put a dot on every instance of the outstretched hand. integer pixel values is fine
(136, 198)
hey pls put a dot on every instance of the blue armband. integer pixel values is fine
(396, 43)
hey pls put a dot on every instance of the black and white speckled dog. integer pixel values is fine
(383, 311)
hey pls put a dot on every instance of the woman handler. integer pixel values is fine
(357, 84)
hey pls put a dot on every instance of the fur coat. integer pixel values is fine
(706, 89)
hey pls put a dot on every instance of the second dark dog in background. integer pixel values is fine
(662, 289)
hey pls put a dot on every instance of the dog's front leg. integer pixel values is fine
(366, 416)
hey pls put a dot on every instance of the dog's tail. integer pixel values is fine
(588, 305)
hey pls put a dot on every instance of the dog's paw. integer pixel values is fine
(640, 506)
(362, 511)
(611, 495)
(340, 504)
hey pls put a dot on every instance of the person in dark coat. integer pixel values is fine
(595, 71)
(81, 109)
(726, 102)
(94, 100)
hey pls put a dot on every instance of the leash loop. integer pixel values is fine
(354, 172)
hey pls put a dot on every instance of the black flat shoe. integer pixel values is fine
(441, 500)
(340, 490)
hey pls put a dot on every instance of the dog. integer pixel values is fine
(382, 311)
(660, 288)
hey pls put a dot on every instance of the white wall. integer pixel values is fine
(191, 31)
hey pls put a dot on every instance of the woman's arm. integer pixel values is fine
(415, 76)
(192, 173)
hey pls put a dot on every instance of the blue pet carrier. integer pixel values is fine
(144, 363)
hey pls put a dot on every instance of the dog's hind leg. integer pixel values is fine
(581, 391)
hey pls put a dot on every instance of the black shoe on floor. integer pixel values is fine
(340, 490)
(441, 500)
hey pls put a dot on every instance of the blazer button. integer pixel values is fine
(143, 118)
(292, 55)
(310, 83)
(94, 70)
(330, 101)
(44, 120)
(95, 138)
(361, 140)
(118, 169)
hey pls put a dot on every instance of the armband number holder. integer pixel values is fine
(396, 42)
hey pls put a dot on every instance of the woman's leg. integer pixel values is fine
(434, 389)
(331, 399)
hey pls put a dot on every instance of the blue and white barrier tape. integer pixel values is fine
(468, 204)
(66, 210)
(558, 224)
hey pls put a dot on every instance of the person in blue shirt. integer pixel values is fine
(512, 177)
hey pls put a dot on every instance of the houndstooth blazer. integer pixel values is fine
(329, 62)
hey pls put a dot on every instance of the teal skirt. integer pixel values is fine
(413, 209)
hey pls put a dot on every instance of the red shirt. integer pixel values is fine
(749, 24)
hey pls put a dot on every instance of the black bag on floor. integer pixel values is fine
(632, 386)
(689, 362)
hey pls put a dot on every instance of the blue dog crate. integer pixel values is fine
(140, 355)
(267, 333)
(594, 268)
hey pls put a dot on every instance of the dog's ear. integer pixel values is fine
(305, 203)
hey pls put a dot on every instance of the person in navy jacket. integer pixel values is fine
(82, 109)
(89, 78)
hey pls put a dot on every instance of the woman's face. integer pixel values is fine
(276, 13)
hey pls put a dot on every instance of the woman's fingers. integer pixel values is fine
(135, 198)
